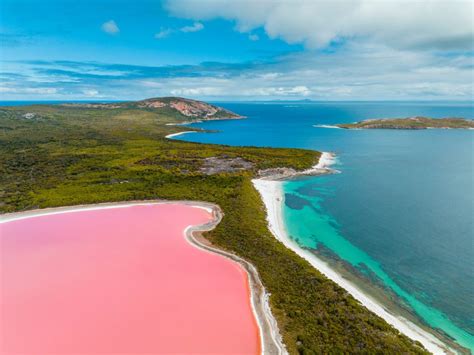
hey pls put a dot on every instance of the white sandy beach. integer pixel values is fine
(178, 134)
(273, 198)
(326, 126)
(324, 164)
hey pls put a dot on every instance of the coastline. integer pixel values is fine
(173, 135)
(270, 338)
(269, 334)
(271, 192)
(326, 126)
(169, 136)
(185, 123)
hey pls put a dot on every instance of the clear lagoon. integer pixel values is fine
(401, 212)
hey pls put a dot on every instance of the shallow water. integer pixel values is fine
(120, 280)
(400, 210)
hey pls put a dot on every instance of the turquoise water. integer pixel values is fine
(401, 210)
(311, 227)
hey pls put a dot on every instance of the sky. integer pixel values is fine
(222, 50)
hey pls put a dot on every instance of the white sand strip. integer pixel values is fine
(273, 198)
(178, 134)
(324, 165)
(326, 126)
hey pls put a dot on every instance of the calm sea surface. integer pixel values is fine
(400, 211)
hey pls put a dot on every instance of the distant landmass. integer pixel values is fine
(411, 123)
(186, 108)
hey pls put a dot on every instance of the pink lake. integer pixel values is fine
(120, 280)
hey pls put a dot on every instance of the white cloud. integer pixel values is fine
(253, 37)
(425, 24)
(110, 27)
(356, 71)
(347, 74)
(196, 27)
(90, 92)
(198, 91)
(296, 91)
(267, 76)
(36, 91)
(164, 32)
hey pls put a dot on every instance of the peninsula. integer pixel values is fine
(176, 107)
(78, 154)
(411, 123)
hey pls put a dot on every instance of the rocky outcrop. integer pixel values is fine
(187, 108)
(217, 165)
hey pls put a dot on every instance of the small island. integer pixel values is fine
(411, 123)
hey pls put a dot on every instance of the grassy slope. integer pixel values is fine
(81, 156)
(411, 123)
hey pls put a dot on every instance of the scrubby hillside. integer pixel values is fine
(175, 106)
(411, 123)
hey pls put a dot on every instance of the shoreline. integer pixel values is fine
(271, 192)
(326, 159)
(269, 334)
(185, 123)
(326, 126)
(169, 136)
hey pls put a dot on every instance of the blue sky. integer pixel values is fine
(236, 50)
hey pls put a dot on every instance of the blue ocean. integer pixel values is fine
(401, 209)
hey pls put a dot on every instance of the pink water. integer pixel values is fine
(120, 280)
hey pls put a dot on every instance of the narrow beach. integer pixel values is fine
(173, 135)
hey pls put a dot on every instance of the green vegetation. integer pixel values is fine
(411, 123)
(83, 155)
